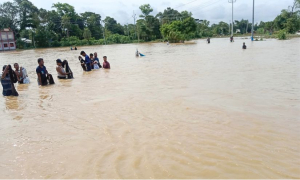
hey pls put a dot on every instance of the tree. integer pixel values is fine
(87, 33)
(146, 10)
(65, 9)
(66, 24)
(169, 15)
(112, 25)
(8, 16)
(27, 11)
(179, 30)
(92, 21)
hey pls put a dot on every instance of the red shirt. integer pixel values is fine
(106, 65)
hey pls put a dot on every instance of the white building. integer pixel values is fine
(7, 40)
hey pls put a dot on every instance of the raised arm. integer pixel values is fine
(4, 72)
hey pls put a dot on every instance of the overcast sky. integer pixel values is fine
(212, 10)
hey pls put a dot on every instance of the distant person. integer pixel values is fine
(71, 48)
(168, 43)
(44, 78)
(231, 39)
(75, 48)
(82, 63)
(106, 64)
(208, 40)
(87, 60)
(137, 53)
(244, 46)
(8, 78)
(21, 74)
(61, 72)
(97, 59)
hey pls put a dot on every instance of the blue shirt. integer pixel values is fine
(87, 59)
(42, 71)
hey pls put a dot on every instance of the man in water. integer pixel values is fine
(8, 78)
(208, 40)
(231, 39)
(61, 73)
(97, 59)
(43, 75)
(106, 64)
(244, 46)
(21, 74)
(87, 60)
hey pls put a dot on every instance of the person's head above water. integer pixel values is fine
(58, 62)
(243, 43)
(104, 58)
(95, 55)
(16, 66)
(91, 55)
(41, 62)
(82, 53)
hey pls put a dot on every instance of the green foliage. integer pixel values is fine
(282, 35)
(260, 31)
(179, 30)
(146, 10)
(62, 26)
(87, 33)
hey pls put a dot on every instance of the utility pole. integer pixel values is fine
(252, 31)
(134, 17)
(232, 1)
(229, 27)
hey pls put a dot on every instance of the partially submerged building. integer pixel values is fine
(7, 40)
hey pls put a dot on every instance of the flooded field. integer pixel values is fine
(182, 111)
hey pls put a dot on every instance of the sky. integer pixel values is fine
(212, 10)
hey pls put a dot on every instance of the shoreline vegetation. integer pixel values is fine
(63, 27)
(191, 41)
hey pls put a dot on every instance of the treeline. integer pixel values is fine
(62, 26)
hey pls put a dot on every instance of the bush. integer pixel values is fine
(282, 35)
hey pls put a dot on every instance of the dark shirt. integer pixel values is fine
(87, 59)
(106, 65)
(244, 47)
(43, 72)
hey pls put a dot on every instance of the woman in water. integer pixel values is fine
(8, 79)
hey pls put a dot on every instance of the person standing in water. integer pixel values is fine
(244, 46)
(61, 73)
(21, 74)
(8, 78)
(231, 39)
(106, 64)
(87, 60)
(97, 59)
(208, 40)
(44, 78)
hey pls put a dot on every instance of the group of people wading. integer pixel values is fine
(9, 76)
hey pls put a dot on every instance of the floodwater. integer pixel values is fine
(182, 111)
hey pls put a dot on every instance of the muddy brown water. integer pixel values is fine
(182, 111)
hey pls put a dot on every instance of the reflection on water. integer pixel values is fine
(182, 111)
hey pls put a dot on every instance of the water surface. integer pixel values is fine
(182, 111)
